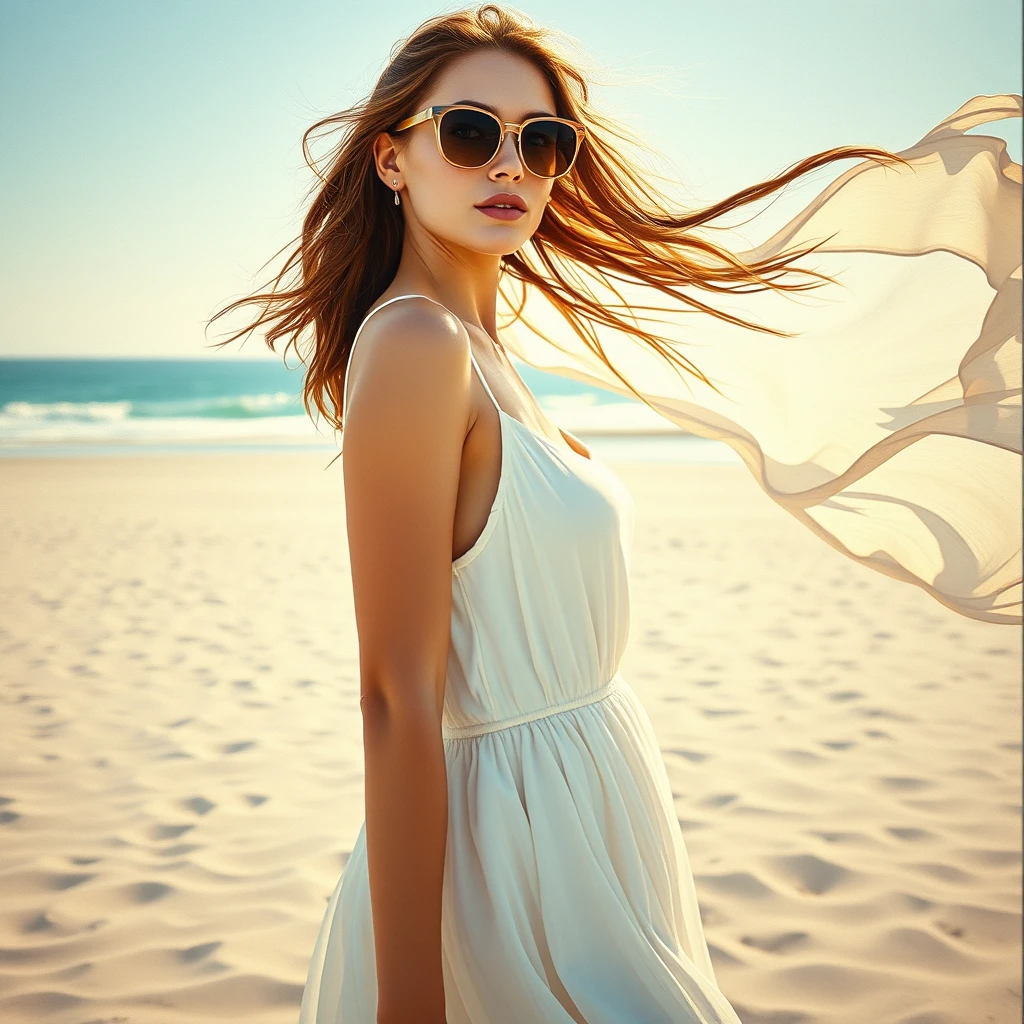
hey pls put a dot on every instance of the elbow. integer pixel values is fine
(410, 700)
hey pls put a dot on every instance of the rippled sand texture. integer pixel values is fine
(181, 766)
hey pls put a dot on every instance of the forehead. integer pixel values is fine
(511, 84)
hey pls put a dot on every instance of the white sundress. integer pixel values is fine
(568, 894)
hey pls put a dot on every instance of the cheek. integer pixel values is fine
(444, 206)
(438, 186)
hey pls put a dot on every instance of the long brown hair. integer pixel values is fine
(605, 216)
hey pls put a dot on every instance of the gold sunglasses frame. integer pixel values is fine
(435, 114)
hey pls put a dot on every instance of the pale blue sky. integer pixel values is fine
(151, 159)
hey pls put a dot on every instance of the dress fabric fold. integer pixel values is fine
(890, 423)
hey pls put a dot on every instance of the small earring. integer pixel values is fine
(398, 202)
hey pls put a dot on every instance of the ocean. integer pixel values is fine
(82, 407)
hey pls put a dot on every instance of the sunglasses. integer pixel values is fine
(470, 137)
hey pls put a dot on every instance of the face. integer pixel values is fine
(448, 202)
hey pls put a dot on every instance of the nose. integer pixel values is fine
(507, 165)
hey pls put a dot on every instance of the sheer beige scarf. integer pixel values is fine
(891, 425)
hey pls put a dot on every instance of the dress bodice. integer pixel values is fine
(540, 602)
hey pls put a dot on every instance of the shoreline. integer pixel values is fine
(612, 446)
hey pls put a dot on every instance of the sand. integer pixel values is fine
(181, 763)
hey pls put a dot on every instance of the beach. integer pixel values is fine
(181, 777)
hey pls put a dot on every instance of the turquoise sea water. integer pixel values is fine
(136, 406)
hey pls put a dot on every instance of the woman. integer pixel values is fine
(520, 860)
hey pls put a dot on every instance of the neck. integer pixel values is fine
(465, 281)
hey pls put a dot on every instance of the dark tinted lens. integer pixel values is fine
(469, 138)
(548, 147)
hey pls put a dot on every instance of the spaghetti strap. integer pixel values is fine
(359, 331)
(483, 380)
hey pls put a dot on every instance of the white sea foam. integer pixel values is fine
(615, 430)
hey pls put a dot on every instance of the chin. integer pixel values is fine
(499, 243)
(500, 250)
(497, 240)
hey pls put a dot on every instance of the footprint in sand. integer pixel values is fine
(910, 835)
(199, 804)
(160, 832)
(810, 874)
(694, 756)
(781, 942)
(237, 748)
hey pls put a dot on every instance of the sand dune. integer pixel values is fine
(181, 771)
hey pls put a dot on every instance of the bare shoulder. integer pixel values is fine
(415, 347)
(414, 315)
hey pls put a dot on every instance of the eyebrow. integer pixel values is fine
(487, 106)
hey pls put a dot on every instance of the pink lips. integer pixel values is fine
(503, 206)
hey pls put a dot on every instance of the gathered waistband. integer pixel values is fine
(481, 728)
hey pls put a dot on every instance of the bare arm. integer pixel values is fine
(407, 418)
